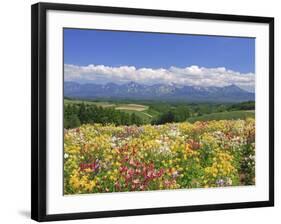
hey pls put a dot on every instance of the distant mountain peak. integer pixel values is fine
(233, 86)
(132, 84)
(169, 92)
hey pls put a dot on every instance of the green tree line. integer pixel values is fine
(77, 114)
(162, 112)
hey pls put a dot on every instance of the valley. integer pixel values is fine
(132, 112)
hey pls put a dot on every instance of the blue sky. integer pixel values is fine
(154, 51)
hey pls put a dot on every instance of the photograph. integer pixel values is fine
(145, 111)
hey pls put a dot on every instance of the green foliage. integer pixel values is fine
(71, 121)
(136, 119)
(119, 112)
(167, 117)
(249, 105)
(81, 113)
(231, 115)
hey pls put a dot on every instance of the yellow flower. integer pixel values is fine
(117, 164)
(74, 182)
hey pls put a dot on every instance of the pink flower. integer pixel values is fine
(132, 162)
(136, 181)
(130, 171)
(117, 186)
(123, 169)
(166, 183)
(149, 174)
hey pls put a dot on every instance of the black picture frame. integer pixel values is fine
(38, 108)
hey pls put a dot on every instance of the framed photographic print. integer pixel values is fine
(139, 111)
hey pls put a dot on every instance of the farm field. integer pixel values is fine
(87, 102)
(229, 115)
(129, 108)
(133, 107)
(110, 158)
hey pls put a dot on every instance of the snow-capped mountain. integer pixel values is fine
(171, 92)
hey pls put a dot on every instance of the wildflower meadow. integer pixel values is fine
(107, 158)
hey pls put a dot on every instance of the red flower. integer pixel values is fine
(93, 166)
(194, 144)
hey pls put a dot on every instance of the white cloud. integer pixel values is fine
(193, 75)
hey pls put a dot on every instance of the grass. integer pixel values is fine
(129, 106)
(97, 103)
(134, 107)
(230, 115)
(143, 115)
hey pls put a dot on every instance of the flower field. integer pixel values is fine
(112, 158)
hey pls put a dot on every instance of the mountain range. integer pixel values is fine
(163, 92)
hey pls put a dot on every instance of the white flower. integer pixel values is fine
(158, 141)
(175, 174)
(229, 182)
